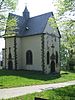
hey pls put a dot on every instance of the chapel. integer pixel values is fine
(35, 44)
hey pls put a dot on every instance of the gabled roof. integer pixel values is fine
(27, 26)
(32, 26)
(36, 24)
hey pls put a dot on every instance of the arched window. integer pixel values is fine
(48, 57)
(9, 56)
(56, 57)
(29, 58)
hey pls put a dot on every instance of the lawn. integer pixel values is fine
(10, 78)
(66, 93)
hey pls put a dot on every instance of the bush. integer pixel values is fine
(71, 64)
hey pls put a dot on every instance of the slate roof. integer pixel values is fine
(27, 26)
(36, 24)
(32, 26)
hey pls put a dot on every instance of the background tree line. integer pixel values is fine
(66, 21)
(7, 6)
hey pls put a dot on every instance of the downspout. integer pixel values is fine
(5, 53)
(15, 53)
(42, 53)
(60, 55)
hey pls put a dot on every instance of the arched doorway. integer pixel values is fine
(48, 55)
(29, 57)
(52, 66)
(56, 57)
(10, 65)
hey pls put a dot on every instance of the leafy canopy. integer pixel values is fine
(6, 6)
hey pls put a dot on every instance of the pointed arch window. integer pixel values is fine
(9, 56)
(48, 57)
(29, 57)
(56, 57)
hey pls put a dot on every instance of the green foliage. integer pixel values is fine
(11, 3)
(64, 6)
(67, 28)
(2, 20)
(11, 26)
(72, 63)
(64, 54)
(8, 4)
(5, 7)
(68, 48)
(52, 22)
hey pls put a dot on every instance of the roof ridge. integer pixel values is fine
(15, 15)
(41, 15)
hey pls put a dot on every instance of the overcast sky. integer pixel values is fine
(36, 7)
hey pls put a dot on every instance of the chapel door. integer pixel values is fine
(10, 65)
(52, 66)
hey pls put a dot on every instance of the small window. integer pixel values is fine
(48, 57)
(9, 56)
(55, 39)
(29, 57)
(26, 28)
(56, 57)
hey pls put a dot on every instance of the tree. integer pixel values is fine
(8, 4)
(11, 26)
(65, 15)
(66, 22)
(5, 7)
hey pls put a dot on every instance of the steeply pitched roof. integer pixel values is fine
(32, 26)
(36, 24)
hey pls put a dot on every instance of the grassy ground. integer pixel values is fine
(66, 93)
(24, 78)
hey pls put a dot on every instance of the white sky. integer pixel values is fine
(35, 7)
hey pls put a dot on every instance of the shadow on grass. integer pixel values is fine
(29, 74)
(65, 73)
(72, 71)
(68, 70)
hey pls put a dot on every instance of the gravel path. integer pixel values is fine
(18, 91)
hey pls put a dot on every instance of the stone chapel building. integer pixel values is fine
(35, 45)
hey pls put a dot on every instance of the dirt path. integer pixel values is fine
(18, 91)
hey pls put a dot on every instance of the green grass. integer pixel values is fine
(66, 93)
(10, 78)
